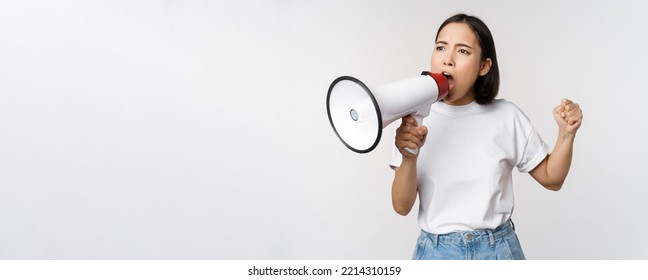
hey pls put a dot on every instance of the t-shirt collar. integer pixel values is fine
(455, 110)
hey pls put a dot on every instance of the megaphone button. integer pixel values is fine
(354, 115)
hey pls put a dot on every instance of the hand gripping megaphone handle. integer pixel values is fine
(418, 116)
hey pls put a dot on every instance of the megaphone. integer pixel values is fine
(358, 114)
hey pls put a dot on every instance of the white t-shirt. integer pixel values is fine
(464, 167)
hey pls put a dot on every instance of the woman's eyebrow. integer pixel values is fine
(457, 44)
(463, 45)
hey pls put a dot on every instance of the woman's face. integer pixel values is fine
(457, 54)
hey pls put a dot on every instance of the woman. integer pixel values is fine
(469, 145)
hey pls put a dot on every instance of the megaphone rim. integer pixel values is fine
(373, 101)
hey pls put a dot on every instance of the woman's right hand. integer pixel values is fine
(408, 135)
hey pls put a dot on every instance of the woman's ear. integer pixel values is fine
(485, 67)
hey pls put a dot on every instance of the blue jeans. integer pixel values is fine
(498, 244)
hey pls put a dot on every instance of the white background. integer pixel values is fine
(198, 129)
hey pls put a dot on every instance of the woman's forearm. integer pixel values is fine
(560, 159)
(404, 187)
(552, 172)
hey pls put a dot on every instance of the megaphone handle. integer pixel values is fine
(412, 151)
(419, 122)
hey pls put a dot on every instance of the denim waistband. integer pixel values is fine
(478, 236)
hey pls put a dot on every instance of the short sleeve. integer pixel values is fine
(532, 149)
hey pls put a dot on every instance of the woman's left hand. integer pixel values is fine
(569, 116)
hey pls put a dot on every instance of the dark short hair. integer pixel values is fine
(486, 86)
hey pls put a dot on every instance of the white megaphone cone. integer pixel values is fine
(358, 115)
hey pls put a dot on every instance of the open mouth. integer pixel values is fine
(450, 79)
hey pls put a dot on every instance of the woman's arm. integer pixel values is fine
(405, 186)
(553, 170)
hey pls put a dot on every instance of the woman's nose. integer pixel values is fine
(448, 60)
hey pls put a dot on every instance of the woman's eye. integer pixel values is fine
(440, 48)
(463, 51)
